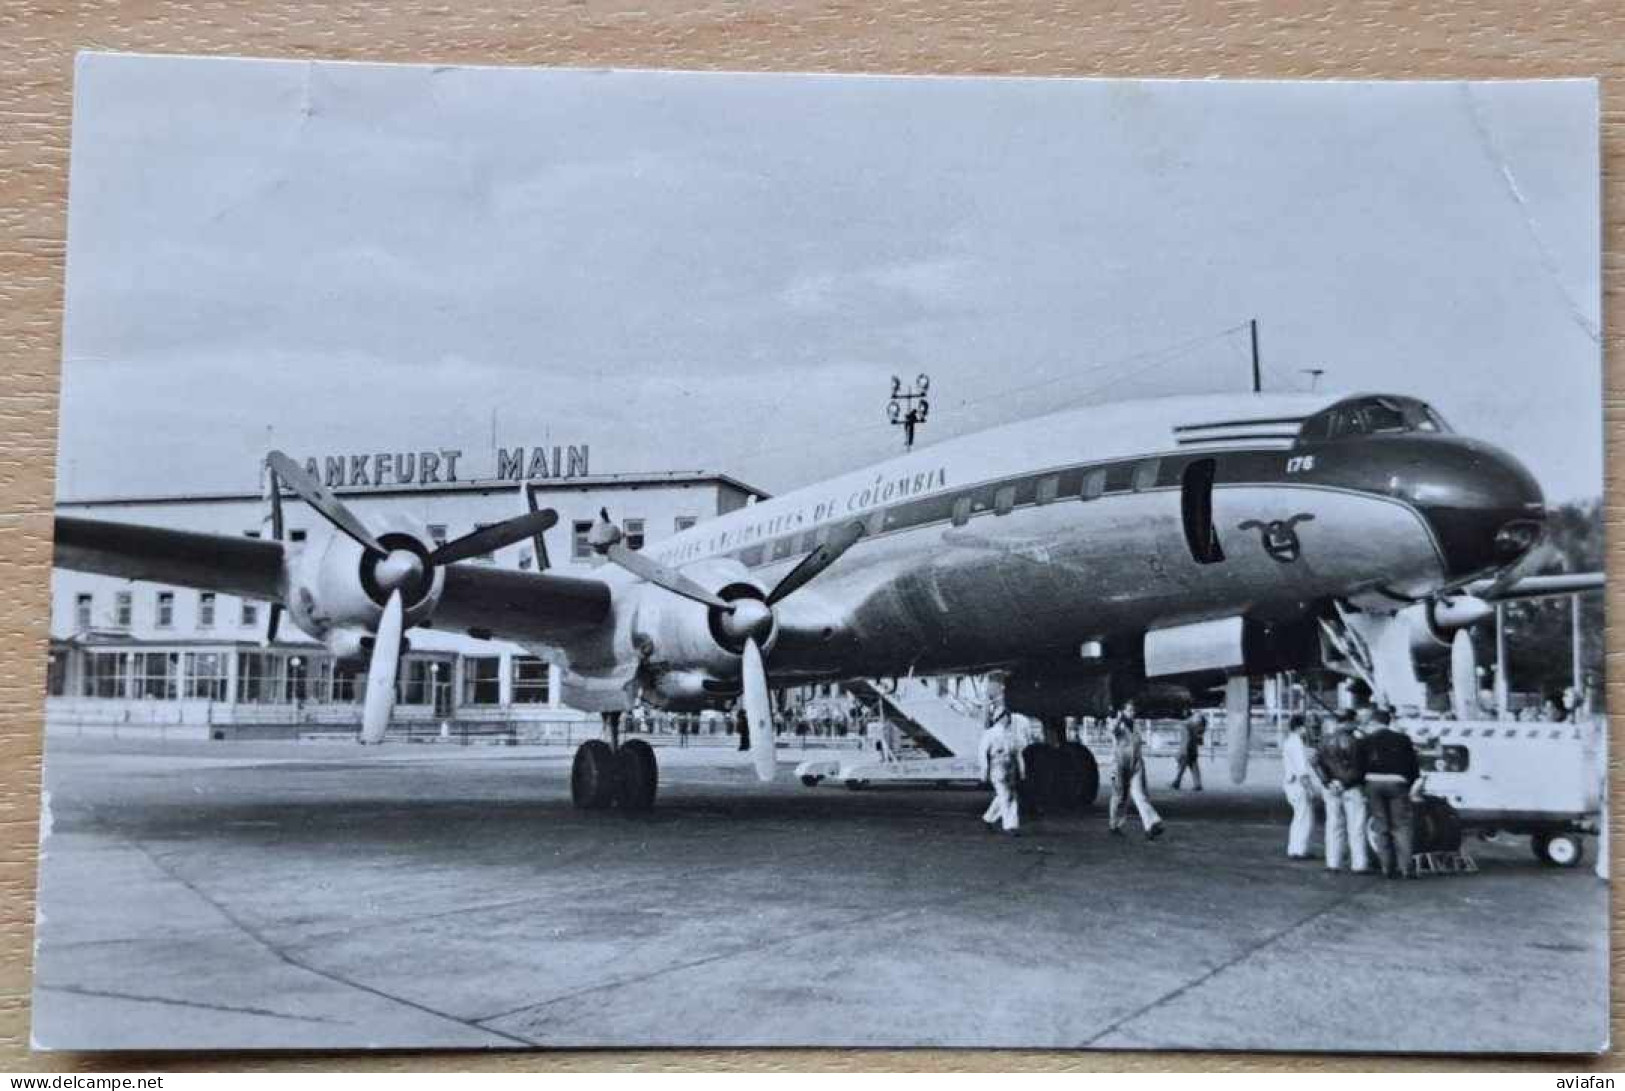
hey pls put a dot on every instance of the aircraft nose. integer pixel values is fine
(1485, 508)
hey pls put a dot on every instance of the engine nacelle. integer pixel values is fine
(334, 597)
(689, 655)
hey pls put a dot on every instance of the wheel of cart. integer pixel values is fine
(1558, 848)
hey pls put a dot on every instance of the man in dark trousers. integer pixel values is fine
(1391, 776)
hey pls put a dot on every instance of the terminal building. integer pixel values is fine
(142, 655)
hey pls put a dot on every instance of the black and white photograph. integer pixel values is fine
(560, 558)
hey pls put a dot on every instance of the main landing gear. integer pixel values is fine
(609, 773)
(1062, 775)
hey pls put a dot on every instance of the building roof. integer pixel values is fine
(485, 485)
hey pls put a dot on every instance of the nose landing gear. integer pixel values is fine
(610, 773)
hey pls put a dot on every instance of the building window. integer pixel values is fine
(104, 674)
(259, 678)
(340, 683)
(1004, 500)
(251, 534)
(296, 535)
(166, 609)
(82, 604)
(155, 674)
(205, 610)
(1094, 484)
(482, 680)
(530, 678)
(296, 684)
(684, 522)
(122, 609)
(437, 534)
(206, 676)
(579, 547)
(634, 533)
(250, 613)
(417, 682)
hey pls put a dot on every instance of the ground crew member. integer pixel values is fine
(1128, 778)
(1299, 782)
(1191, 734)
(1339, 763)
(1001, 761)
(1392, 774)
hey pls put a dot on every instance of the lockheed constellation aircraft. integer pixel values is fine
(1086, 551)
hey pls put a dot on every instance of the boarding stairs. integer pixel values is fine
(932, 720)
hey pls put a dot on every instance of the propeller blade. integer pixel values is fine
(840, 540)
(386, 661)
(538, 540)
(276, 506)
(1464, 676)
(273, 623)
(661, 576)
(494, 537)
(758, 712)
(327, 505)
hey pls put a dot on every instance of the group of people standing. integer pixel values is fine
(1359, 775)
(1358, 771)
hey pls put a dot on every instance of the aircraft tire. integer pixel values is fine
(593, 776)
(1085, 773)
(639, 776)
(809, 780)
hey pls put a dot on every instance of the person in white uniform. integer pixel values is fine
(1301, 785)
(1002, 765)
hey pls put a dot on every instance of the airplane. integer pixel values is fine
(1088, 552)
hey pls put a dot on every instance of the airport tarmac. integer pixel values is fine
(283, 895)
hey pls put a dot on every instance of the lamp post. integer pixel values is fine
(909, 408)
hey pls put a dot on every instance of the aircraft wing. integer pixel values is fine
(1537, 587)
(250, 567)
(536, 607)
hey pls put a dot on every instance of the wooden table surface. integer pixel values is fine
(1534, 38)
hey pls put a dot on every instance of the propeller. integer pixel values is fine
(394, 571)
(748, 621)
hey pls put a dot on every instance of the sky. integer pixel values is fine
(723, 271)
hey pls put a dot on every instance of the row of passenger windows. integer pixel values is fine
(1143, 476)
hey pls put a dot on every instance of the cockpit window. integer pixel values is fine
(1384, 415)
(1381, 415)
